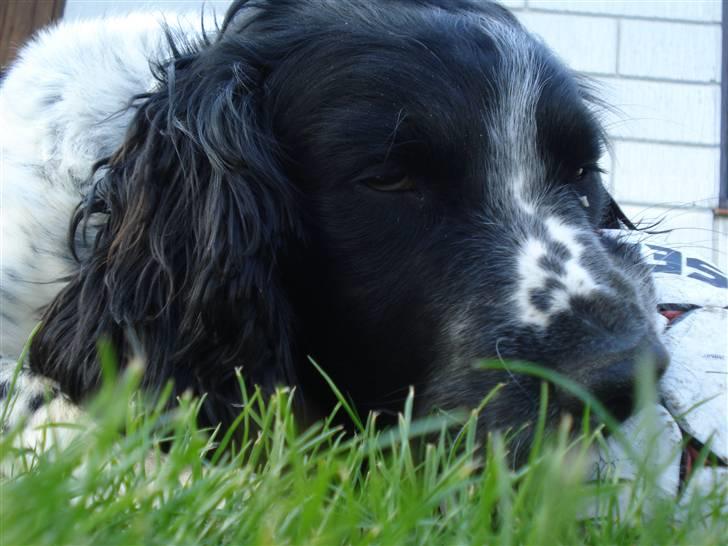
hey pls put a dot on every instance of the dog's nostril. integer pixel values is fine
(613, 386)
(612, 379)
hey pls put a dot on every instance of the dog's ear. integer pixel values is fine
(188, 223)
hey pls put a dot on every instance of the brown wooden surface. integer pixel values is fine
(20, 18)
(724, 118)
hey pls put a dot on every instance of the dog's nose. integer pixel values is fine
(612, 378)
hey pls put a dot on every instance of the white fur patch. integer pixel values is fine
(558, 287)
(56, 422)
(578, 280)
(63, 106)
(511, 121)
(531, 277)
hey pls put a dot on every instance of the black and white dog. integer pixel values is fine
(396, 189)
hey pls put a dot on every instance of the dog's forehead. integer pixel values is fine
(483, 89)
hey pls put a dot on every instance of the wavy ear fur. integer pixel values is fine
(193, 216)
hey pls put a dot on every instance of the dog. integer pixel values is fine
(395, 190)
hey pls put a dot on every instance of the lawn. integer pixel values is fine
(429, 481)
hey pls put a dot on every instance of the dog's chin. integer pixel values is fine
(520, 432)
(519, 407)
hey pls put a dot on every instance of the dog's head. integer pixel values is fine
(397, 189)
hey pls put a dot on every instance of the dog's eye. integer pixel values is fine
(588, 186)
(586, 171)
(391, 183)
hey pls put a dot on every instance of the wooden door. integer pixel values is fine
(19, 19)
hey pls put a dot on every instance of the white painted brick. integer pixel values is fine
(86, 9)
(670, 50)
(666, 174)
(607, 163)
(513, 3)
(720, 243)
(587, 44)
(667, 112)
(690, 229)
(688, 10)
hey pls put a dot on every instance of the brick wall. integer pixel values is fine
(658, 62)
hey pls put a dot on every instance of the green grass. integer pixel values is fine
(423, 482)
